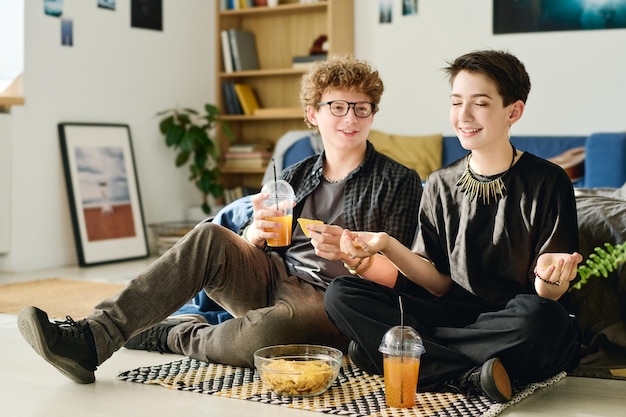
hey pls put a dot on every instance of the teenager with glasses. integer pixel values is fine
(276, 297)
(495, 252)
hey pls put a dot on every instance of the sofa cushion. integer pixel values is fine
(600, 304)
(421, 153)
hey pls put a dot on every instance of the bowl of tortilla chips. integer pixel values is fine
(298, 370)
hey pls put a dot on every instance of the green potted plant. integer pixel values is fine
(194, 137)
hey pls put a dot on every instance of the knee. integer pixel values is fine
(335, 294)
(540, 317)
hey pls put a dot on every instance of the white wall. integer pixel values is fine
(112, 74)
(115, 73)
(578, 77)
(5, 183)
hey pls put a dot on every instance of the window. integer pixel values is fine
(11, 41)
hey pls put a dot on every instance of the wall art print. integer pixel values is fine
(103, 192)
(517, 16)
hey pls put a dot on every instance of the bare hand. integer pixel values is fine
(325, 240)
(558, 267)
(260, 230)
(362, 244)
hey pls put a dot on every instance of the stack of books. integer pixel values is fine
(242, 4)
(239, 50)
(305, 61)
(240, 98)
(247, 156)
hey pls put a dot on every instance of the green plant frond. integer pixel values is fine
(166, 124)
(174, 135)
(212, 111)
(190, 139)
(164, 112)
(182, 158)
(183, 119)
(601, 262)
(200, 159)
(190, 132)
(196, 171)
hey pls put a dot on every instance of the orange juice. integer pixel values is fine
(400, 376)
(284, 232)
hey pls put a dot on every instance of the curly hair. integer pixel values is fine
(504, 69)
(339, 72)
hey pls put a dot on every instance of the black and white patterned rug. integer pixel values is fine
(354, 393)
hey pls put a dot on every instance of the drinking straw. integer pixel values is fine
(401, 346)
(275, 184)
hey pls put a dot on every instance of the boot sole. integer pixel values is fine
(495, 382)
(33, 333)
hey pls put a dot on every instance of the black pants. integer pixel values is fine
(534, 337)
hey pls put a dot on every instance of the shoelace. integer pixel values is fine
(70, 328)
(152, 342)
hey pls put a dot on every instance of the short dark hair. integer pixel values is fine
(503, 68)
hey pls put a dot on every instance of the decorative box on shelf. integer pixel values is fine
(166, 234)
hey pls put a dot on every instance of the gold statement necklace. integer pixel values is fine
(486, 190)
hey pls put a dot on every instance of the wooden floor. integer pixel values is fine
(32, 388)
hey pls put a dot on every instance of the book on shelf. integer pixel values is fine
(247, 98)
(246, 163)
(249, 147)
(266, 155)
(243, 50)
(233, 106)
(238, 4)
(305, 61)
(226, 54)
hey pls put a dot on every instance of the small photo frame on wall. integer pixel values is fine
(103, 192)
(147, 14)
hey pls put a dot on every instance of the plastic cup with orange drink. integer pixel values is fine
(281, 198)
(402, 349)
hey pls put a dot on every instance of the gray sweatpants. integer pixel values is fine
(270, 306)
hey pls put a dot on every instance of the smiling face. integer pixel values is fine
(477, 113)
(341, 133)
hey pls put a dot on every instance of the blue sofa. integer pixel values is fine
(604, 163)
(605, 154)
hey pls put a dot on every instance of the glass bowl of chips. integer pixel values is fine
(298, 370)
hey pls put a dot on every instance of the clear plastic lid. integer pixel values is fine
(402, 340)
(279, 188)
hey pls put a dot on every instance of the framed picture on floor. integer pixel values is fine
(103, 192)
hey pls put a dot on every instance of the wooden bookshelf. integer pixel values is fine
(281, 32)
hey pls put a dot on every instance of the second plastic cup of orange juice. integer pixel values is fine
(402, 349)
(281, 197)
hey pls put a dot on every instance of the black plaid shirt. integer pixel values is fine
(380, 195)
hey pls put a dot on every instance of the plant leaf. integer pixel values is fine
(174, 135)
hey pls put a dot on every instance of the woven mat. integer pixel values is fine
(354, 393)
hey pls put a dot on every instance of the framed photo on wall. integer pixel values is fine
(103, 192)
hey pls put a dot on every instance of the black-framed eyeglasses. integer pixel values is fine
(340, 108)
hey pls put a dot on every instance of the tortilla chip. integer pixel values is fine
(303, 222)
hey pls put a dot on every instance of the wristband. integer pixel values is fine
(557, 283)
(368, 266)
(352, 269)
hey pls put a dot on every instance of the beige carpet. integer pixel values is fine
(57, 297)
